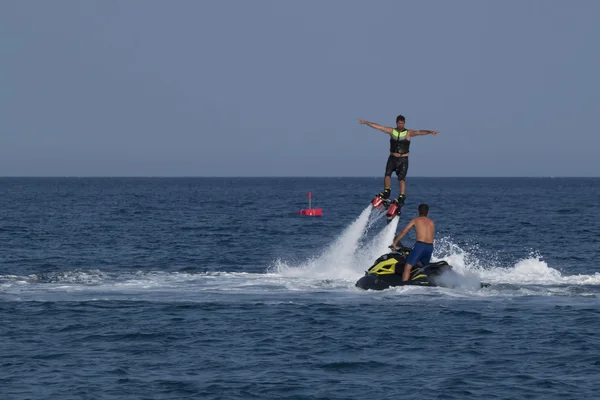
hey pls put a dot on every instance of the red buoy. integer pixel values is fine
(311, 212)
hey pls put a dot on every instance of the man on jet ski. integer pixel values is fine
(422, 250)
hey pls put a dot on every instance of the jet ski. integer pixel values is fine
(388, 269)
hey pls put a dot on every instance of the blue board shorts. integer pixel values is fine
(421, 251)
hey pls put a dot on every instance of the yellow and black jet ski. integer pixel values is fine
(387, 272)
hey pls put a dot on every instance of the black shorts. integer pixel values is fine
(398, 165)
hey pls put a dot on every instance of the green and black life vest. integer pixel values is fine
(399, 142)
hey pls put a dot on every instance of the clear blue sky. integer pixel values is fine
(273, 88)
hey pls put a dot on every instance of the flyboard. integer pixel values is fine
(393, 207)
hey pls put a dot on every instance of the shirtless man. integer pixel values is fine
(422, 250)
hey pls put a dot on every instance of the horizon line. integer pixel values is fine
(284, 177)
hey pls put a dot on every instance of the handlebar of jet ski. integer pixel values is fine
(400, 248)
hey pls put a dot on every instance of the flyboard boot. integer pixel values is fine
(395, 208)
(382, 200)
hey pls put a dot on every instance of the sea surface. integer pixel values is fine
(215, 288)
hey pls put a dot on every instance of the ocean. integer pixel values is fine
(215, 288)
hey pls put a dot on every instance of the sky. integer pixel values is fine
(273, 88)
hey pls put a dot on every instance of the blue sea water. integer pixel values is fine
(214, 288)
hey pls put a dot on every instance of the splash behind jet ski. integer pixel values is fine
(388, 269)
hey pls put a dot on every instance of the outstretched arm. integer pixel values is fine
(421, 133)
(376, 126)
(401, 235)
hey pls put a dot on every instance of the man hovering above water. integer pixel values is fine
(423, 249)
(398, 159)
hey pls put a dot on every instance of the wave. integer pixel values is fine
(336, 268)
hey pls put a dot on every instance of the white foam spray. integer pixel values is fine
(532, 270)
(379, 245)
(351, 253)
(342, 250)
(337, 260)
